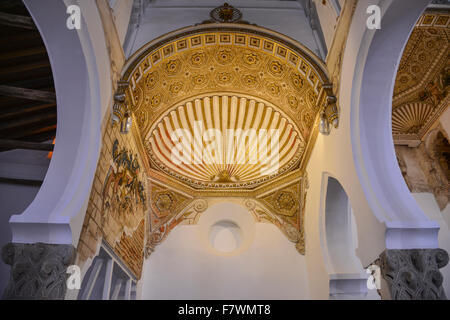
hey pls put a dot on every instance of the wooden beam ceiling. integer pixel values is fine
(27, 94)
(13, 20)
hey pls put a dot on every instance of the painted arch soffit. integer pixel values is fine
(222, 76)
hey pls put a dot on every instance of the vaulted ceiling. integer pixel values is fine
(234, 79)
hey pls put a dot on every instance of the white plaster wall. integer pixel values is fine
(328, 20)
(429, 205)
(182, 268)
(286, 17)
(121, 13)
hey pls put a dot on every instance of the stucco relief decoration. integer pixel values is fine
(166, 207)
(225, 13)
(285, 209)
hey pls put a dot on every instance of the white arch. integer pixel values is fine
(56, 214)
(379, 54)
(347, 277)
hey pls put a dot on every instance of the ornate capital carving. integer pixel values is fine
(38, 271)
(414, 274)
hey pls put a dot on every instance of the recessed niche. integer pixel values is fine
(225, 236)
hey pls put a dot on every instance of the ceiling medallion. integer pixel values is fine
(225, 14)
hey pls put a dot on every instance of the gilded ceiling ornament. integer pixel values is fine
(168, 209)
(312, 97)
(198, 59)
(250, 80)
(307, 118)
(224, 78)
(225, 13)
(164, 202)
(155, 100)
(138, 95)
(293, 102)
(200, 205)
(273, 88)
(152, 80)
(285, 201)
(250, 59)
(173, 67)
(275, 68)
(199, 81)
(176, 87)
(296, 81)
(141, 117)
(224, 56)
(165, 205)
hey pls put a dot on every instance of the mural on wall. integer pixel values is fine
(116, 212)
(123, 192)
(124, 205)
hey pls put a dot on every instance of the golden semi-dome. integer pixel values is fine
(234, 154)
(222, 77)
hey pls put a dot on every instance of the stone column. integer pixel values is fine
(412, 274)
(38, 271)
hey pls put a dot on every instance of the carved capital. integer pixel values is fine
(38, 271)
(414, 274)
